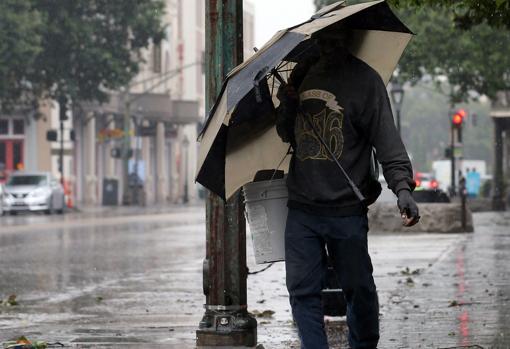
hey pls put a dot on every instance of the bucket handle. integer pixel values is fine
(263, 194)
(280, 163)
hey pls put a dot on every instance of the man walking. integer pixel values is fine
(346, 102)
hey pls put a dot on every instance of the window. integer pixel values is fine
(4, 126)
(18, 126)
(28, 180)
(17, 155)
(156, 58)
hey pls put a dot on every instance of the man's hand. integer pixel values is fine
(408, 208)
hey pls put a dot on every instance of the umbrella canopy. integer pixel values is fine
(239, 138)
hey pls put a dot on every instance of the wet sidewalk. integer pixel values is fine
(135, 281)
(462, 300)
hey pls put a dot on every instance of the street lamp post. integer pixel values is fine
(185, 144)
(397, 97)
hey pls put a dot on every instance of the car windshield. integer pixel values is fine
(27, 180)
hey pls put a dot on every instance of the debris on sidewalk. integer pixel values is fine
(23, 343)
(408, 272)
(263, 314)
(9, 301)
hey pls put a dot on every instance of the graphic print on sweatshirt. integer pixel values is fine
(321, 107)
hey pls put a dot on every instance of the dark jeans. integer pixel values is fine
(306, 237)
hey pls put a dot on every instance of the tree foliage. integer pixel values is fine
(76, 50)
(20, 42)
(466, 13)
(93, 46)
(473, 57)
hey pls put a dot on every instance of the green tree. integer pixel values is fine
(20, 42)
(73, 50)
(466, 13)
(473, 58)
(90, 47)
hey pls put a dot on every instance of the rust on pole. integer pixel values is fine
(226, 321)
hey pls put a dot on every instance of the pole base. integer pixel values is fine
(226, 328)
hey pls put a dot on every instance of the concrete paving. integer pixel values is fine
(131, 277)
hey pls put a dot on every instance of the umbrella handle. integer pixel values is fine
(353, 185)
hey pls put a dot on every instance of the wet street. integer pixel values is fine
(133, 278)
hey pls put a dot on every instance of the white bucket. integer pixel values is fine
(266, 211)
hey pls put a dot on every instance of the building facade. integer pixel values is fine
(164, 106)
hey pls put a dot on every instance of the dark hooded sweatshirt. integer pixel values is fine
(348, 104)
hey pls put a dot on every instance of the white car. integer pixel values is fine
(37, 191)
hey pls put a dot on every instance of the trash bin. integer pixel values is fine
(110, 192)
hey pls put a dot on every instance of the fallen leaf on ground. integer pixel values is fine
(408, 271)
(10, 301)
(453, 303)
(263, 314)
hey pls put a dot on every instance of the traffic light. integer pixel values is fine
(458, 118)
(51, 135)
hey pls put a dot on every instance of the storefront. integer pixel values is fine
(159, 159)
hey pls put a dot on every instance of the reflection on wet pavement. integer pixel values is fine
(462, 300)
(134, 279)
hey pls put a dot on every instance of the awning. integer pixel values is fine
(151, 106)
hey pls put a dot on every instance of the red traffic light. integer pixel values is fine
(457, 119)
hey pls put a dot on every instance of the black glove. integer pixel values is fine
(408, 208)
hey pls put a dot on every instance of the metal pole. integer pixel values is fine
(186, 159)
(452, 158)
(61, 153)
(226, 321)
(463, 196)
(498, 203)
(62, 118)
(126, 195)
